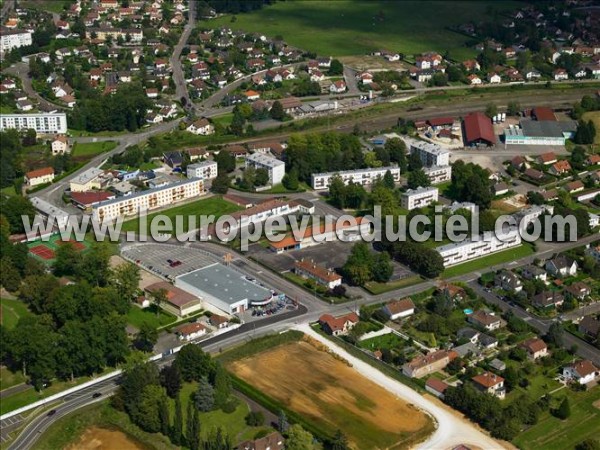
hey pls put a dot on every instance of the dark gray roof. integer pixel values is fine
(547, 128)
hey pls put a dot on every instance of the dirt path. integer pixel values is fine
(451, 430)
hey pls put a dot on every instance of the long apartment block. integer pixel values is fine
(363, 177)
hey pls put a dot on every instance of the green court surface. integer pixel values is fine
(45, 251)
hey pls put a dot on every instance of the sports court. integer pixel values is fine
(46, 251)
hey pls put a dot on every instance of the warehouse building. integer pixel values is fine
(478, 130)
(224, 288)
(536, 132)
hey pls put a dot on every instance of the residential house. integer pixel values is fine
(579, 290)
(534, 174)
(201, 127)
(548, 299)
(398, 309)
(547, 158)
(486, 320)
(574, 186)
(317, 75)
(24, 105)
(581, 372)
(152, 92)
(532, 74)
(500, 188)
(592, 160)
(494, 78)
(251, 95)
(550, 195)
(560, 167)
(307, 268)
(474, 79)
(531, 272)
(490, 383)
(456, 293)
(39, 176)
(562, 266)
(436, 387)
(337, 87)
(59, 145)
(519, 162)
(471, 65)
(508, 281)
(272, 441)
(190, 331)
(535, 348)
(560, 75)
(423, 365)
(590, 326)
(338, 325)
(173, 159)
(218, 321)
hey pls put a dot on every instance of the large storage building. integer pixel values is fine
(540, 132)
(478, 130)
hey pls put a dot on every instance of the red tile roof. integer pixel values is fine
(534, 345)
(478, 126)
(398, 306)
(544, 114)
(190, 328)
(437, 385)
(317, 271)
(91, 197)
(488, 379)
(337, 323)
(584, 368)
(40, 173)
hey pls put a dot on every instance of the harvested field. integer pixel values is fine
(325, 390)
(95, 438)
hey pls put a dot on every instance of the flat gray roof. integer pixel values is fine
(547, 128)
(226, 284)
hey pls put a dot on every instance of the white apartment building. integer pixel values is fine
(86, 181)
(10, 39)
(148, 200)
(361, 176)
(206, 170)
(430, 154)
(275, 167)
(438, 174)
(460, 252)
(418, 198)
(528, 215)
(41, 123)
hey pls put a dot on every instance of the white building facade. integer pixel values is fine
(41, 123)
(460, 252)
(274, 167)
(430, 154)
(10, 39)
(419, 198)
(363, 177)
(206, 170)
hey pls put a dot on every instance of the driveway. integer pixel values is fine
(451, 430)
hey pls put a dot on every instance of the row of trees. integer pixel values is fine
(363, 266)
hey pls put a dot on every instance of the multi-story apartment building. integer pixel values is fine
(460, 252)
(361, 176)
(148, 200)
(206, 170)
(438, 174)
(274, 167)
(41, 123)
(430, 154)
(136, 35)
(10, 39)
(419, 198)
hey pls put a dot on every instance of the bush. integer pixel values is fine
(230, 406)
(255, 419)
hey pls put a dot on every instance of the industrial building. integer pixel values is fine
(536, 132)
(478, 130)
(274, 167)
(363, 177)
(224, 288)
(41, 123)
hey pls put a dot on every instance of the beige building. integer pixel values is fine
(426, 364)
(60, 145)
(39, 176)
(88, 180)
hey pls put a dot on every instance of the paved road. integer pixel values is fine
(175, 61)
(21, 70)
(6, 8)
(351, 81)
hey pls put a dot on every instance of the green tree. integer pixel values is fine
(388, 180)
(564, 410)
(382, 269)
(396, 148)
(336, 67)
(176, 434)
(165, 421)
(513, 108)
(337, 192)
(588, 444)
(159, 298)
(262, 177)
(204, 398)
(220, 184)
(170, 379)
(193, 363)
(146, 337)
(255, 419)
(192, 435)
(414, 162)
(290, 180)
(277, 112)
(126, 277)
(10, 278)
(222, 386)
(491, 110)
(151, 400)
(225, 161)
(340, 441)
(282, 422)
(418, 178)
(299, 439)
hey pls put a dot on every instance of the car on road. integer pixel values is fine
(97, 394)
(51, 412)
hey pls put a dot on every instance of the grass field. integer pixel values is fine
(379, 288)
(388, 341)
(485, 263)
(345, 27)
(92, 148)
(369, 415)
(137, 316)
(9, 379)
(209, 206)
(12, 311)
(552, 433)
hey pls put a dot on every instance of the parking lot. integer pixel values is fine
(332, 255)
(155, 258)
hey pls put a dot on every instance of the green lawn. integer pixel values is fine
(9, 190)
(379, 288)
(345, 27)
(92, 148)
(9, 379)
(552, 433)
(485, 263)
(209, 206)
(55, 6)
(389, 341)
(12, 311)
(137, 316)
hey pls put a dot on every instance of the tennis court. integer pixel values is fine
(46, 251)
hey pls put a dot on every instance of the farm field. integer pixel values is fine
(93, 148)
(210, 206)
(344, 28)
(370, 416)
(551, 433)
